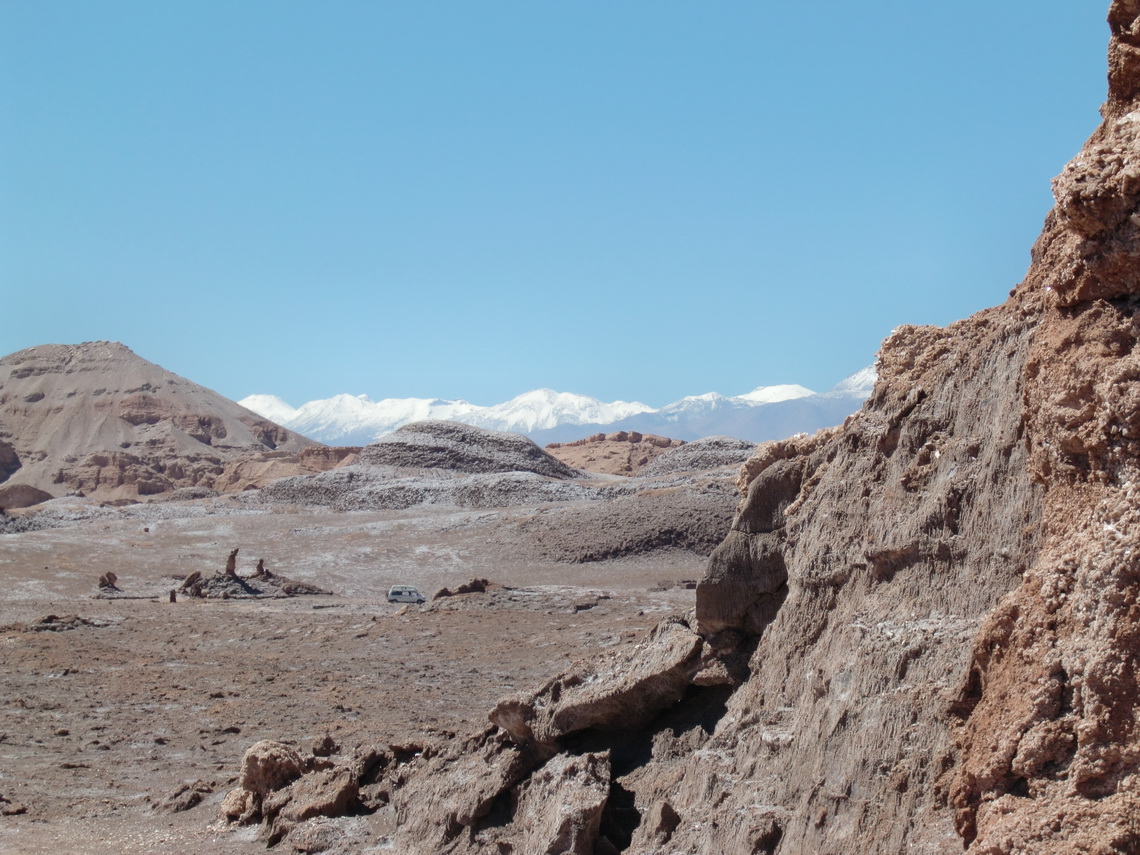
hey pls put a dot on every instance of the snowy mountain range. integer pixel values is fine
(767, 412)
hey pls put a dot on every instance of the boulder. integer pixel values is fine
(22, 496)
(615, 694)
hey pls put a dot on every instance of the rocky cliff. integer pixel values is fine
(921, 634)
(97, 419)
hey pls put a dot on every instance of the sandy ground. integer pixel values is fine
(101, 723)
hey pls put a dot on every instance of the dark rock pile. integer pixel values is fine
(461, 448)
(227, 584)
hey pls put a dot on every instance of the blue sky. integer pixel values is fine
(629, 200)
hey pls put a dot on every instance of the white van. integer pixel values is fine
(404, 594)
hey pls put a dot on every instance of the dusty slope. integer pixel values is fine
(96, 418)
(921, 635)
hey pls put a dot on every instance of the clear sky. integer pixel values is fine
(640, 199)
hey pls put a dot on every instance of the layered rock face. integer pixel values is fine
(1048, 733)
(98, 419)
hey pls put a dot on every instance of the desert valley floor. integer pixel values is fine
(118, 712)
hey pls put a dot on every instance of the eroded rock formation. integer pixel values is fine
(228, 584)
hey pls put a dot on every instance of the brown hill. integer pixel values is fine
(922, 634)
(97, 419)
(621, 453)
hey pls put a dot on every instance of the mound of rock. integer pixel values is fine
(693, 515)
(475, 586)
(360, 487)
(621, 453)
(227, 584)
(185, 797)
(439, 463)
(222, 586)
(11, 808)
(461, 448)
(64, 623)
(498, 602)
(700, 455)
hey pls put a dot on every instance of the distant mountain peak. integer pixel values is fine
(772, 394)
(862, 382)
(767, 412)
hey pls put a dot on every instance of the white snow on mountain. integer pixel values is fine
(269, 406)
(358, 420)
(772, 394)
(544, 408)
(711, 401)
(861, 383)
(694, 404)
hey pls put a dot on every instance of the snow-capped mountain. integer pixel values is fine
(358, 420)
(775, 394)
(861, 384)
(767, 412)
(544, 409)
(269, 406)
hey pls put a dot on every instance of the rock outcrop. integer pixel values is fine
(97, 419)
(921, 634)
(228, 584)
(9, 460)
(266, 467)
(620, 453)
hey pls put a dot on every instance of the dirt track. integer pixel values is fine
(100, 723)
